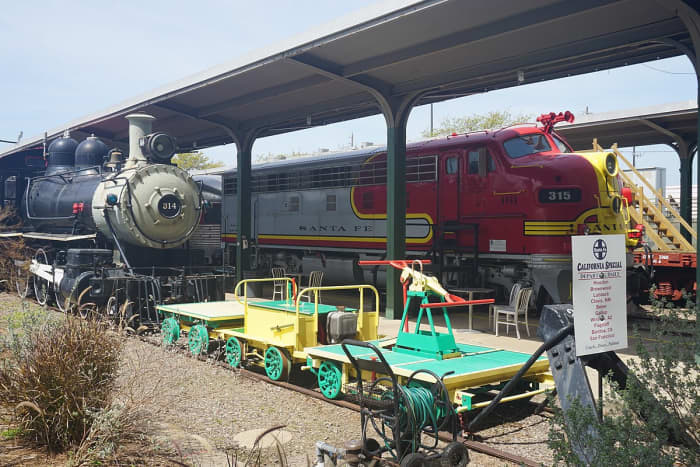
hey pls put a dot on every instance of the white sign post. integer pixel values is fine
(600, 293)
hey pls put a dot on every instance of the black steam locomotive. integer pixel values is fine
(110, 232)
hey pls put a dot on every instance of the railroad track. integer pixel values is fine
(213, 359)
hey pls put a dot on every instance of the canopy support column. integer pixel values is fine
(686, 190)
(396, 112)
(244, 143)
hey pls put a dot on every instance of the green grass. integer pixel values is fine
(11, 433)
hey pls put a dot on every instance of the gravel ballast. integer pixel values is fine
(199, 407)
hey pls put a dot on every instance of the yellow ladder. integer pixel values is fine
(657, 225)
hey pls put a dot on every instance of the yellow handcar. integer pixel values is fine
(272, 333)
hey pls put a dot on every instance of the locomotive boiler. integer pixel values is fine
(104, 228)
(147, 202)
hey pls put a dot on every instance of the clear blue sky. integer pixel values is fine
(64, 60)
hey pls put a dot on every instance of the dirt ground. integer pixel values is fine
(196, 408)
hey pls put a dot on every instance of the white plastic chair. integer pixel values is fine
(511, 314)
(315, 279)
(278, 286)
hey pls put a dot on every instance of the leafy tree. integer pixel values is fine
(270, 157)
(195, 161)
(476, 122)
(670, 433)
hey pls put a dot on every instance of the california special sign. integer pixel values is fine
(600, 293)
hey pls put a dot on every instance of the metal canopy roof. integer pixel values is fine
(451, 47)
(635, 127)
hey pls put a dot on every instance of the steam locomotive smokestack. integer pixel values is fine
(139, 126)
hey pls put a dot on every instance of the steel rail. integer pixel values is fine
(476, 446)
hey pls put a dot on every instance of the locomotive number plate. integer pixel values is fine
(169, 206)
(560, 195)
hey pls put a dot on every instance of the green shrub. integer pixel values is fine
(56, 374)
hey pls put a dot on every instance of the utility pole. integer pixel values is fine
(634, 156)
(431, 119)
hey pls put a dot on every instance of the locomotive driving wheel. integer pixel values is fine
(83, 312)
(63, 304)
(60, 302)
(88, 310)
(22, 281)
(112, 309)
(127, 317)
(42, 287)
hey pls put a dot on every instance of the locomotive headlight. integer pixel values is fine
(611, 165)
(158, 146)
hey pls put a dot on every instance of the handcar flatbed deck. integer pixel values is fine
(477, 366)
(233, 309)
(206, 311)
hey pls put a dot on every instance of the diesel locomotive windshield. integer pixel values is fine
(526, 144)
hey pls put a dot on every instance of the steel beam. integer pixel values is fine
(545, 63)
(350, 106)
(267, 93)
(510, 24)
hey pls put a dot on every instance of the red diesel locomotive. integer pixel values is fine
(509, 199)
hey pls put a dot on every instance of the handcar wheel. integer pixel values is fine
(454, 455)
(330, 379)
(42, 287)
(170, 331)
(234, 352)
(198, 339)
(276, 364)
